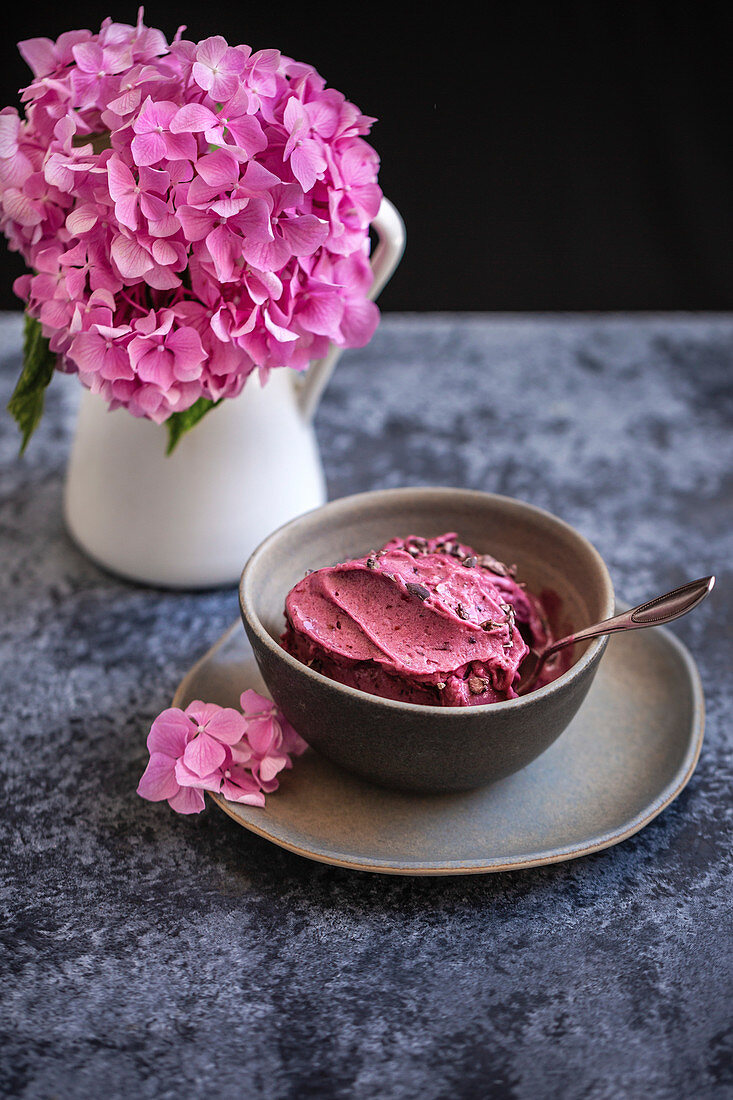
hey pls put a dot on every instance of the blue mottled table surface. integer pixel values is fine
(150, 955)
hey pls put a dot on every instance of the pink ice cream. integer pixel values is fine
(422, 620)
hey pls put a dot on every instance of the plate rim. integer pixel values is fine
(465, 867)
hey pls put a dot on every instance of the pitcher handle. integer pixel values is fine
(390, 230)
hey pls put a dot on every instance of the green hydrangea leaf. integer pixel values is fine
(39, 362)
(181, 422)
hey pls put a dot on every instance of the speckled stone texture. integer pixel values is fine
(151, 956)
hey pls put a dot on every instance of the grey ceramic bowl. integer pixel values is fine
(408, 745)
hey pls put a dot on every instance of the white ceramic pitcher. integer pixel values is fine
(192, 518)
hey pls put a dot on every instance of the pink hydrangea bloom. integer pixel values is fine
(211, 748)
(167, 742)
(218, 199)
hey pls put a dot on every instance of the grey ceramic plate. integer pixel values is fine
(627, 754)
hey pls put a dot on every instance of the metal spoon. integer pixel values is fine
(663, 609)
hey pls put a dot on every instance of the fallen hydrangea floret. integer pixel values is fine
(211, 748)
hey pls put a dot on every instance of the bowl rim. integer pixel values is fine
(592, 654)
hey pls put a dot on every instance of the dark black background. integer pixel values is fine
(565, 156)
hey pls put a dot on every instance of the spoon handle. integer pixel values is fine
(663, 609)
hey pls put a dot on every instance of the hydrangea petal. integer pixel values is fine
(304, 234)
(308, 164)
(195, 223)
(187, 778)
(148, 148)
(292, 742)
(210, 51)
(359, 322)
(126, 211)
(131, 258)
(266, 255)
(189, 800)
(82, 219)
(227, 726)
(219, 169)
(185, 343)
(219, 245)
(158, 781)
(254, 221)
(9, 126)
(180, 147)
(281, 334)
(155, 365)
(250, 798)
(248, 134)
(204, 754)
(233, 792)
(39, 54)
(164, 252)
(262, 734)
(322, 313)
(170, 732)
(270, 766)
(193, 118)
(253, 704)
(201, 712)
(19, 208)
(153, 207)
